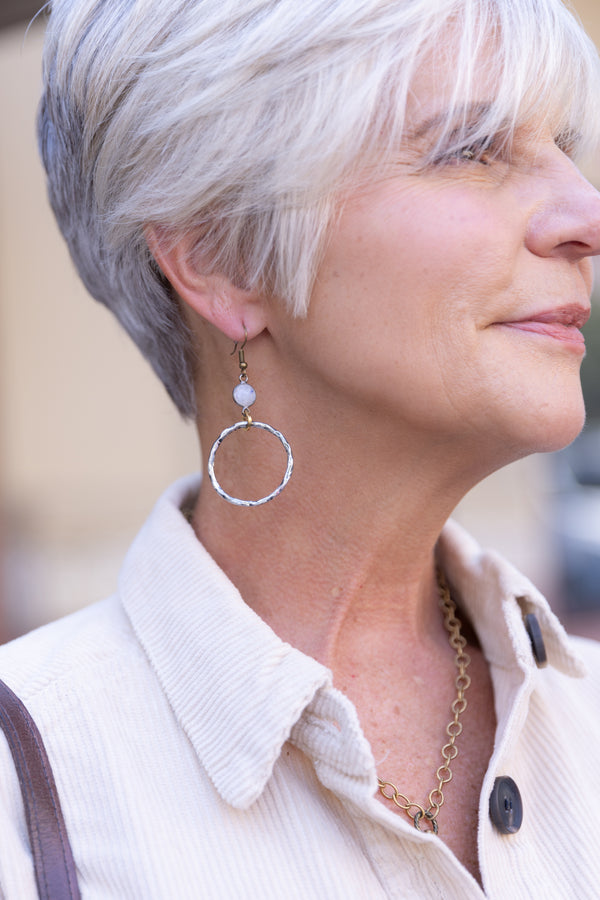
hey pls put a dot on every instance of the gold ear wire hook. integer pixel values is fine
(242, 359)
(235, 346)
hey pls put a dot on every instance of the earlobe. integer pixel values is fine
(212, 296)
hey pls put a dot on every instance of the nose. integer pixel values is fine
(566, 222)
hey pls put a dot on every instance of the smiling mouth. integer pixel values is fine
(561, 324)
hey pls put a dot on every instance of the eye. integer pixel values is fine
(479, 151)
(463, 149)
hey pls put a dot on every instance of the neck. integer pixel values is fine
(338, 548)
(349, 544)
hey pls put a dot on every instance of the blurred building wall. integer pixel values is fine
(88, 437)
(589, 13)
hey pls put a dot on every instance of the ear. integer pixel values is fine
(213, 297)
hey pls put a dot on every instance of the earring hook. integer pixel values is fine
(235, 346)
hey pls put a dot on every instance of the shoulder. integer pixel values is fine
(564, 708)
(75, 674)
(69, 652)
(79, 678)
(69, 675)
(589, 652)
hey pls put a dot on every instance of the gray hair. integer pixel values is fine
(242, 120)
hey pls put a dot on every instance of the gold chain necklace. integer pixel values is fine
(453, 729)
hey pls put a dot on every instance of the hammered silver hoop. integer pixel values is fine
(213, 452)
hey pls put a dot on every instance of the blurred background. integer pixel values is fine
(89, 438)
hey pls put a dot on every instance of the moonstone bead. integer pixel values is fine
(244, 394)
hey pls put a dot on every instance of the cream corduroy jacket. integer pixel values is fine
(199, 756)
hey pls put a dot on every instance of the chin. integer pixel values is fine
(557, 429)
(541, 425)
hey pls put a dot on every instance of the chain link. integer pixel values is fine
(453, 729)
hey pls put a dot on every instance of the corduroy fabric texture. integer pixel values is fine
(199, 756)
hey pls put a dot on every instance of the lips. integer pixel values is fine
(561, 324)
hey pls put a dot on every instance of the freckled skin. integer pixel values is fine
(399, 391)
(430, 265)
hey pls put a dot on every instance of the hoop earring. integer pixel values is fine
(245, 395)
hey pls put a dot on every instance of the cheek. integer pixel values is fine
(415, 275)
(444, 241)
(588, 272)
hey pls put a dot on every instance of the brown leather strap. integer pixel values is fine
(52, 857)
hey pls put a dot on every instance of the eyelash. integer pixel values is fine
(485, 150)
(474, 151)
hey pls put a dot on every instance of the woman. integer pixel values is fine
(375, 205)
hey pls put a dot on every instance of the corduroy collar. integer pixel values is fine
(236, 689)
(496, 597)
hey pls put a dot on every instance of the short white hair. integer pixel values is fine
(242, 120)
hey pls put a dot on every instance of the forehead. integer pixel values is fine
(436, 93)
(498, 83)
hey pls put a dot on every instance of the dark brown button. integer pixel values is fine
(537, 639)
(506, 806)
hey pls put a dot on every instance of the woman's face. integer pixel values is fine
(451, 297)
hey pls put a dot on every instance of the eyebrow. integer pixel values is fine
(469, 110)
